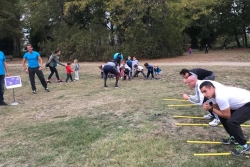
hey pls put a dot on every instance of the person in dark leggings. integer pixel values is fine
(112, 68)
(232, 105)
(52, 63)
(35, 63)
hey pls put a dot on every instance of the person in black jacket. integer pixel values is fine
(200, 73)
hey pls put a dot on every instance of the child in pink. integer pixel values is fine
(68, 71)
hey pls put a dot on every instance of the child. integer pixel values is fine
(150, 70)
(69, 71)
(157, 71)
(190, 51)
(139, 69)
(126, 70)
(134, 62)
(77, 67)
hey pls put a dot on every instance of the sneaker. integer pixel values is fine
(48, 81)
(229, 140)
(215, 122)
(3, 103)
(59, 80)
(34, 92)
(47, 90)
(105, 86)
(116, 86)
(239, 150)
(208, 116)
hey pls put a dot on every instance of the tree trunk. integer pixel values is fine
(245, 35)
(236, 37)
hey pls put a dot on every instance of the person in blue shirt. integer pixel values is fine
(157, 71)
(35, 64)
(150, 70)
(3, 72)
(118, 57)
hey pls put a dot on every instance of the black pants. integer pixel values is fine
(232, 125)
(150, 71)
(69, 76)
(52, 71)
(1, 87)
(39, 73)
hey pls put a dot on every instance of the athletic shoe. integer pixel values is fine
(46, 89)
(116, 86)
(105, 86)
(239, 150)
(208, 116)
(229, 140)
(59, 80)
(215, 122)
(34, 92)
(3, 103)
(48, 81)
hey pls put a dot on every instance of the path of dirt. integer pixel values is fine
(233, 57)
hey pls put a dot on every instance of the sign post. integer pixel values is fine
(11, 83)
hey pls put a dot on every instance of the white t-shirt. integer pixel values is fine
(231, 97)
(198, 98)
(139, 68)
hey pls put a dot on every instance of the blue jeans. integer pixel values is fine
(1, 87)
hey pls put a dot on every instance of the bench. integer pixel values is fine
(9, 57)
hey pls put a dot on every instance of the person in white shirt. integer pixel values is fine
(232, 105)
(139, 69)
(199, 99)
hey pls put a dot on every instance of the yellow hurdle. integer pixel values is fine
(185, 124)
(184, 116)
(175, 100)
(213, 154)
(207, 142)
(181, 105)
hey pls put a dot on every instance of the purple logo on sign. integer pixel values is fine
(10, 81)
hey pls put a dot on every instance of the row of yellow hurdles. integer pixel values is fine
(189, 124)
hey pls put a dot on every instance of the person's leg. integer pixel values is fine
(211, 77)
(67, 78)
(105, 75)
(70, 76)
(142, 71)
(238, 117)
(148, 73)
(152, 73)
(57, 75)
(40, 75)
(1, 88)
(116, 79)
(135, 73)
(52, 71)
(32, 78)
(76, 75)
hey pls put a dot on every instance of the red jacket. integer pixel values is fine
(68, 69)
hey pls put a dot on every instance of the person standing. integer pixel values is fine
(150, 70)
(35, 64)
(232, 105)
(206, 48)
(77, 67)
(52, 63)
(3, 72)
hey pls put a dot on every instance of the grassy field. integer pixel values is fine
(83, 124)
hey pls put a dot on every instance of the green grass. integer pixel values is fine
(83, 124)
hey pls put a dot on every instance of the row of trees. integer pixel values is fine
(95, 29)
